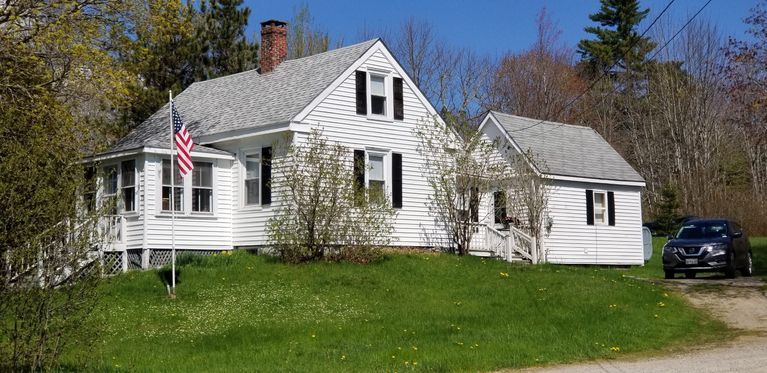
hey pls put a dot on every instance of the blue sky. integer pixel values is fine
(487, 26)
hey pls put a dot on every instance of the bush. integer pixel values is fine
(322, 215)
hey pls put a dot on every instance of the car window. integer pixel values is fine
(702, 230)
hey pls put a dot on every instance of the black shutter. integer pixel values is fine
(359, 176)
(474, 205)
(499, 204)
(611, 208)
(266, 176)
(589, 207)
(362, 92)
(399, 105)
(396, 180)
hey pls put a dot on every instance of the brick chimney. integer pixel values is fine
(274, 44)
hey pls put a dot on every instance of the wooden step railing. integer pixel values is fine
(502, 245)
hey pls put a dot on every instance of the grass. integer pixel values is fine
(407, 312)
(654, 268)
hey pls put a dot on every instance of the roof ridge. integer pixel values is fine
(547, 122)
(333, 50)
(371, 41)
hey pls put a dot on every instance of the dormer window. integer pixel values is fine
(377, 95)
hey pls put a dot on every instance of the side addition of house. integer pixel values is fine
(358, 96)
(594, 201)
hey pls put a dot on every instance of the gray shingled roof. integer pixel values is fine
(247, 99)
(566, 149)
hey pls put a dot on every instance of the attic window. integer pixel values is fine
(377, 95)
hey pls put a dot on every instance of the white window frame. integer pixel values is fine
(603, 209)
(104, 195)
(255, 152)
(186, 186)
(386, 155)
(211, 187)
(183, 208)
(122, 187)
(388, 91)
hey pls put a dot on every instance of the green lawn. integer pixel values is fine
(654, 268)
(409, 311)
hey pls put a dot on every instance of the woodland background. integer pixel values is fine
(685, 106)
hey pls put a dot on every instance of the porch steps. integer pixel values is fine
(515, 256)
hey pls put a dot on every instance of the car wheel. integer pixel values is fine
(668, 274)
(748, 270)
(689, 274)
(730, 271)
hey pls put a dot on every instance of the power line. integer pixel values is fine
(689, 21)
(606, 71)
(680, 30)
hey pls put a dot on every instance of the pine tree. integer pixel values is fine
(224, 49)
(668, 210)
(616, 37)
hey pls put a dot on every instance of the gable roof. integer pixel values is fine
(566, 149)
(247, 99)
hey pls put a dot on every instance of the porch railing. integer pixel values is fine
(112, 229)
(501, 244)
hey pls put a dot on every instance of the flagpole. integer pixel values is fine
(172, 200)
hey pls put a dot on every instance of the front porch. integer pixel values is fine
(116, 257)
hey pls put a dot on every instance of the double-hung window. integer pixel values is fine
(128, 184)
(377, 95)
(600, 208)
(178, 197)
(110, 185)
(377, 174)
(202, 187)
(376, 178)
(252, 179)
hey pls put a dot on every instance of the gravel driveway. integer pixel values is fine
(741, 303)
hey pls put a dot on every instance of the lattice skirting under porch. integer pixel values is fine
(134, 259)
(161, 257)
(112, 262)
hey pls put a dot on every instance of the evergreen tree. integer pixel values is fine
(170, 45)
(616, 37)
(668, 210)
(224, 49)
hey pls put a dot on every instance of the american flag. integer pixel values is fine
(184, 143)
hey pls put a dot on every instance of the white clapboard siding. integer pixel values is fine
(572, 241)
(336, 116)
(249, 221)
(192, 231)
(134, 222)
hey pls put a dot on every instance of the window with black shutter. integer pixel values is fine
(361, 78)
(396, 180)
(611, 208)
(499, 204)
(399, 104)
(266, 176)
(474, 205)
(359, 177)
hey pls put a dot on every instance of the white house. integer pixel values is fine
(358, 95)
(594, 205)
